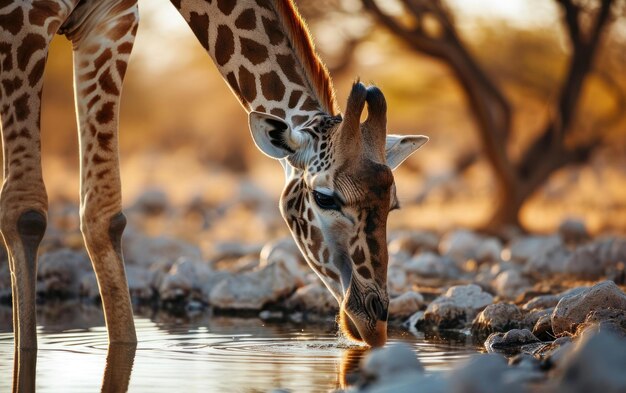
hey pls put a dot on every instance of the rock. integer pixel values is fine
(608, 319)
(573, 231)
(596, 260)
(541, 302)
(382, 367)
(144, 251)
(152, 201)
(396, 280)
(531, 318)
(596, 364)
(429, 265)
(414, 242)
(253, 290)
(498, 317)
(572, 310)
(485, 374)
(524, 248)
(59, 272)
(456, 307)
(280, 249)
(543, 328)
(88, 287)
(139, 282)
(405, 305)
(489, 251)
(550, 262)
(510, 283)
(511, 340)
(184, 281)
(460, 245)
(314, 298)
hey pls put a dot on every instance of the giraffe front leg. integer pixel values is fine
(25, 34)
(101, 50)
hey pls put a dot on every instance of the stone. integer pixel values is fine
(541, 302)
(255, 289)
(460, 245)
(430, 265)
(531, 318)
(457, 306)
(397, 282)
(413, 242)
(543, 328)
(573, 231)
(280, 249)
(60, 271)
(489, 251)
(183, 281)
(143, 250)
(139, 282)
(596, 364)
(607, 319)
(152, 201)
(510, 283)
(498, 317)
(405, 305)
(511, 340)
(314, 298)
(572, 310)
(524, 248)
(599, 259)
(550, 262)
(386, 364)
(5, 281)
(485, 374)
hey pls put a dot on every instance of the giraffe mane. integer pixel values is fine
(297, 32)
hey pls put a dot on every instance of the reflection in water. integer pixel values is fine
(204, 352)
(119, 366)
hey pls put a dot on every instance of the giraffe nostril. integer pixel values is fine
(375, 308)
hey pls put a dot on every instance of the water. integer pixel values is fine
(205, 353)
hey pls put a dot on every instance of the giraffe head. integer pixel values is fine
(339, 191)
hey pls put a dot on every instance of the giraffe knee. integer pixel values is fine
(103, 232)
(31, 226)
(116, 228)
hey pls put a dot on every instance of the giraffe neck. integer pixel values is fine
(264, 52)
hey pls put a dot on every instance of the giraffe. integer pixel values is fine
(339, 182)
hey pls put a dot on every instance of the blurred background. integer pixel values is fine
(524, 102)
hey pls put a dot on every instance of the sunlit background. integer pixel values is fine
(183, 131)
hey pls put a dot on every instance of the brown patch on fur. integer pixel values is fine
(41, 11)
(122, 27)
(246, 20)
(31, 44)
(36, 73)
(107, 83)
(106, 113)
(253, 51)
(247, 84)
(21, 107)
(288, 66)
(11, 85)
(294, 98)
(278, 112)
(200, 27)
(226, 6)
(272, 87)
(225, 45)
(13, 21)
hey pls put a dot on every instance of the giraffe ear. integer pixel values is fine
(273, 136)
(399, 147)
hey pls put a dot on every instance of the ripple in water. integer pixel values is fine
(215, 354)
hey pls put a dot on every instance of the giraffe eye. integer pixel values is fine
(325, 201)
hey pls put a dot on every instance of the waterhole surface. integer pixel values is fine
(204, 354)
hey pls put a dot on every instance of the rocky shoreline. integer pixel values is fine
(550, 310)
